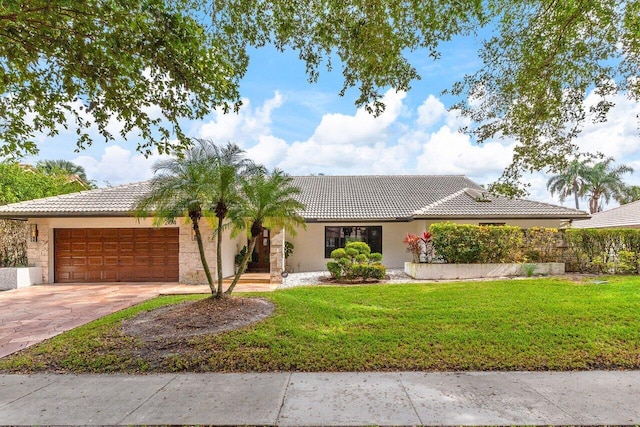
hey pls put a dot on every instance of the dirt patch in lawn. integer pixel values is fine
(166, 331)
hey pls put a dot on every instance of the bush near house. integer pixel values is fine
(467, 244)
(356, 262)
(542, 244)
(603, 250)
(611, 251)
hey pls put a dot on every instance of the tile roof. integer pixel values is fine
(624, 216)
(367, 197)
(109, 201)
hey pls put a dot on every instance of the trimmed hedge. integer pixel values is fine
(468, 244)
(603, 250)
(582, 250)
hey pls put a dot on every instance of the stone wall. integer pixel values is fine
(191, 269)
(276, 256)
(38, 252)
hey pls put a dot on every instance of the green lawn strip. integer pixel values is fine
(538, 324)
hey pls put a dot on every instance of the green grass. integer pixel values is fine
(538, 324)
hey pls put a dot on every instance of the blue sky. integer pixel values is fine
(308, 128)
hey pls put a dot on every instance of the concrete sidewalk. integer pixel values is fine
(286, 399)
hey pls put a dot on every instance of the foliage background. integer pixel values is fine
(19, 183)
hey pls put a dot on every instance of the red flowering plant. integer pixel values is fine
(414, 245)
(428, 250)
(421, 248)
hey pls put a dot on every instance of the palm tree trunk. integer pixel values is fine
(219, 257)
(203, 259)
(243, 264)
(575, 194)
(593, 203)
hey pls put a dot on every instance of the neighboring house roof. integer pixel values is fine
(624, 216)
(331, 198)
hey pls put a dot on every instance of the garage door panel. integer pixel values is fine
(125, 260)
(95, 260)
(110, 246)
(126, 247)
(116, 255)
(94, 247)
(110, 260)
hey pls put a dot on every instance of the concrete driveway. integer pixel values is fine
(31, 315)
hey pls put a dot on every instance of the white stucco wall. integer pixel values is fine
(308, 254)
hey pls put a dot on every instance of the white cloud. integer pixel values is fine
(269, 151)
(450, 152)
(362, 128)
(430, 112)
(244, 127)
(117, 165)
(618, 136)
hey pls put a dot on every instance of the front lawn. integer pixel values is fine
(540, 324)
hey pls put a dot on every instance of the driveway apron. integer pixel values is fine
(31, 315)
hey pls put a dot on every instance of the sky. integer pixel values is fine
(307, 128)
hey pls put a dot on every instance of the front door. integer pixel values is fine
(261, 254)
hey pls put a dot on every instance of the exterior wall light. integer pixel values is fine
(34, 232)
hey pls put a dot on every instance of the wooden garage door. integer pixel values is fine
(116, 255)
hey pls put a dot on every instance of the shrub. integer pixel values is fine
(420, 246)
(335, 269)
(541, 244)
(465, 244)
(612, 250)
(361, 247)
(414, 246)
(356, 261)
(339, 253)
(375, 257)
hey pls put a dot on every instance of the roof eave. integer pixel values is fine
(27, 215)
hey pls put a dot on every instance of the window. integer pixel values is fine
(492, 224)
(338, 237)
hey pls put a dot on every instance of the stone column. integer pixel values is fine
(276, 256)
(38, 252)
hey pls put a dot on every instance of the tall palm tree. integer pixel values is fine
(630, 194)
(570, 181)
(228, 165)
(269, 201)
(182, 187)
(65, 167)
(604, 181)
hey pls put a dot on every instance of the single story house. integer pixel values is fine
(93, 236)
(624, 216)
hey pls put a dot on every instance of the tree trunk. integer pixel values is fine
(594, 203)
(575, 194)
(203, 259)
(219, 257)
(243, 264)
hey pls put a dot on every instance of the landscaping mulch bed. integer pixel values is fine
(166, 331)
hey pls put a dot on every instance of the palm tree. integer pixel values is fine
(228, 165)
(603, 180)
(269, 201)
(182, 187)
(65, 167)
(629, 194)
(570, 181)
